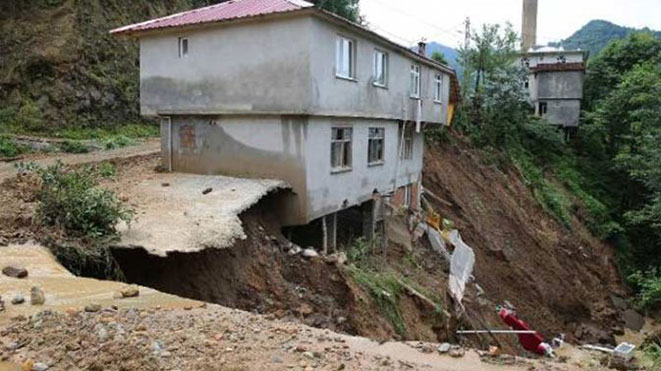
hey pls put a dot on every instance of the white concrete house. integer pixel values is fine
(555, 76)
(280, 89)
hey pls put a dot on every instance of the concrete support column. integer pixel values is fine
(329, 228)
(369, 220)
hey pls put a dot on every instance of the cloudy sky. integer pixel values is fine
(407, 21)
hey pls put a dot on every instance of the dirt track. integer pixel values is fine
(147, 147)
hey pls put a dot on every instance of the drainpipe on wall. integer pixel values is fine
(169, 120)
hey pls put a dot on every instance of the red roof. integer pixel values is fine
(224, 11)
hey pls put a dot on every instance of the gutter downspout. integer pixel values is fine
(169, 143)
(399, 157)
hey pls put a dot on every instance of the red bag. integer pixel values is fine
(530, 342)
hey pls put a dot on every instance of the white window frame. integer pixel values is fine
(344, 143)
(438, 88)
(345, 48)
(407, 147)
(380, 57)
(183, 51)
(376, 142)
(414, 83)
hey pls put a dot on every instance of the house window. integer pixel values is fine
(407, 147)
(345, 58)
(341, 148)
(543, 108)
(415, 81)
(380, 68)
(183, 47)
(526, 83)
(375, 146)
(438, 86)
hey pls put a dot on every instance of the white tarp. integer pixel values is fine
(437, 242)
(461, 265)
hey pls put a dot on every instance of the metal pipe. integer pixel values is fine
(169, 144)
(469, 332)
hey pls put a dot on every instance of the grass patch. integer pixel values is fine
(106, 170)
(653, 354)
(385, 290)
(116, 141)
(550, 196)
(73, 146)
(10, 148)
(102, 134)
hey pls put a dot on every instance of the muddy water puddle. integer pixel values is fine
(63, 290)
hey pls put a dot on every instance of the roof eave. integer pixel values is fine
(122, 32)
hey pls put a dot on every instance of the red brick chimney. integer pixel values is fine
(422, 48)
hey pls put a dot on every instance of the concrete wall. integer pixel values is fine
(563, 112)
(280, 66)
(296, 149)
(328, 191)
(246, 146)
(248, 67)
(560, 85)
(336, 96)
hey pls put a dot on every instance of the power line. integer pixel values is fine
(406, 42)
(419, 19)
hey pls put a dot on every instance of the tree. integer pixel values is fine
(349, 9)
(605, 70)
(439, 57)
(494, 99)
(631, 114)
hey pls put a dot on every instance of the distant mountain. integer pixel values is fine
(595, 35)
(451, 54)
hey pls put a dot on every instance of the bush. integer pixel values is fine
(9, 147)
(648, 285)
(30, 118)
(71, 146)
(7, 118)
(73, 201)
(358, 250)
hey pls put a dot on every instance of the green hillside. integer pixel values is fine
(60, 67)
(595, 35)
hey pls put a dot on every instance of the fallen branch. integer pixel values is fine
(435, 197)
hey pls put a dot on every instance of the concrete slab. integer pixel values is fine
(187, 213)
(63, 290)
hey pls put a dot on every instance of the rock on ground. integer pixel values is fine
(130, 291)
(15, 272)
(18, 299)
(37, 296)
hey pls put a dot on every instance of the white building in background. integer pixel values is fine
(556, 76)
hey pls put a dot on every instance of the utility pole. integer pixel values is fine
(467, 33)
